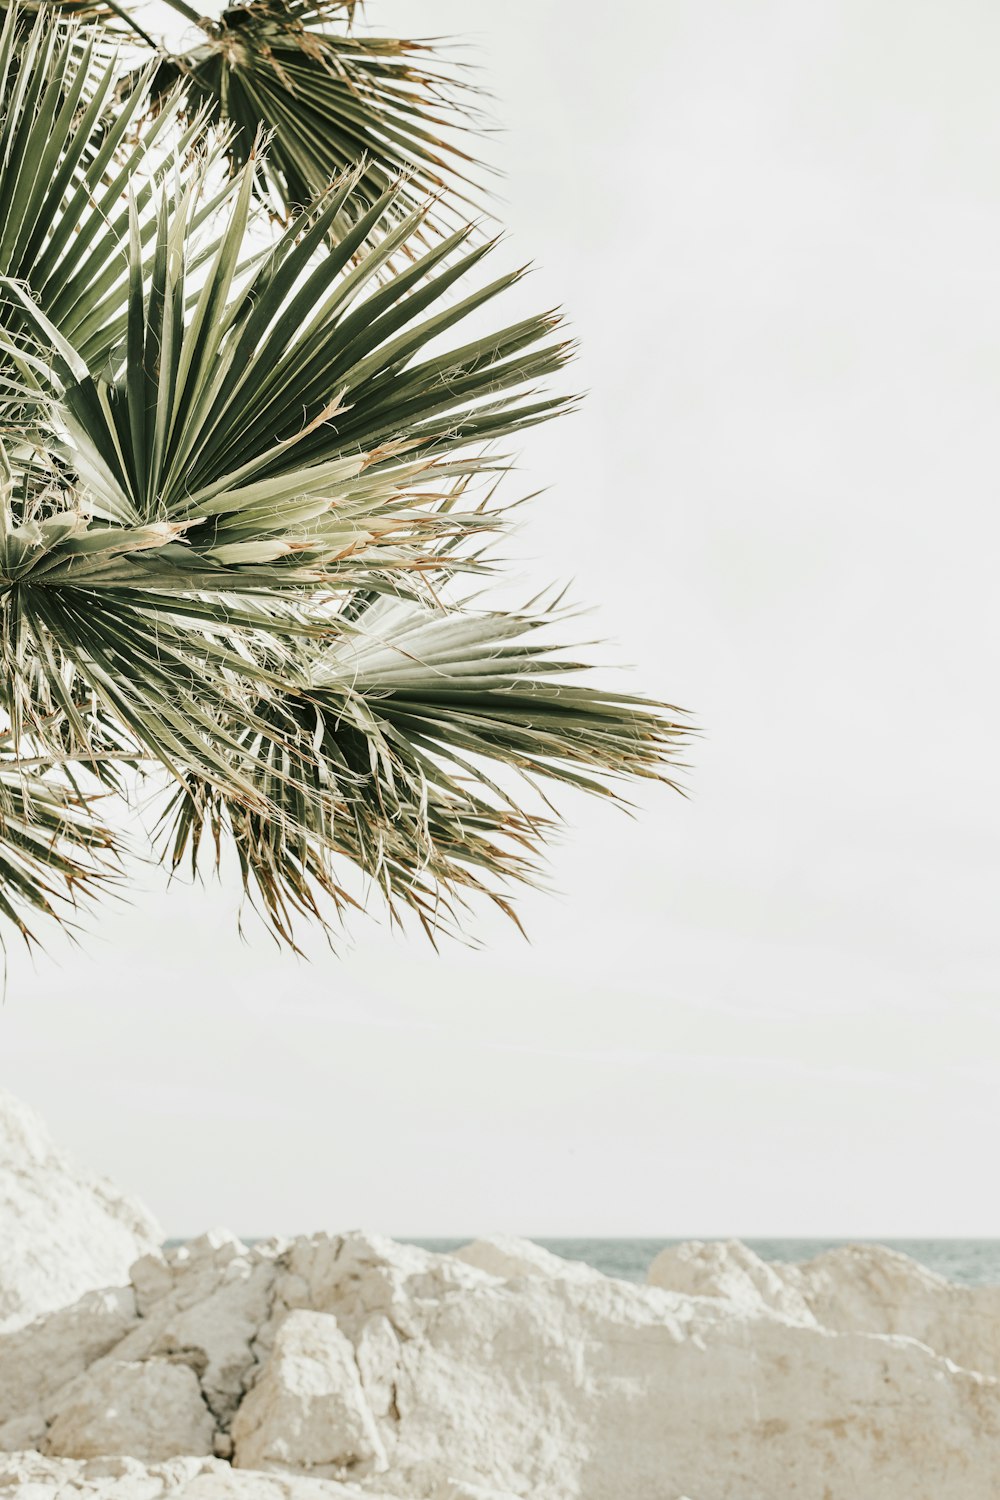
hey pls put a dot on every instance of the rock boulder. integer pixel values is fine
(339, 1367)
(63, 1232)
(308, 1410)
(852, 1289)
(151, 1410)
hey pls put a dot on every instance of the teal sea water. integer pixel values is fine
(970, 1262)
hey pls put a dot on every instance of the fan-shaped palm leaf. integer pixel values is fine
(417, 717)
(276, 436)
(330, 98)
(73, 152)
(229, 485)
(53, 850)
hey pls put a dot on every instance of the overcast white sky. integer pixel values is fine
(773, 1008)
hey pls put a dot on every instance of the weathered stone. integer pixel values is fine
(40, 1359)
(29, 1476)
(308, 1410)
(152, 1280)
(729, 1269)
(563, 1386)
(205, 1303)
(25, 1431)
(477, 1492)
(508, 1257)
(873, 1289)
(852, 1289)
(151, 1410)
(377, 1352)
(338, 1366)
(65, 1232)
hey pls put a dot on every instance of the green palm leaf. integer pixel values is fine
(329, 98)
(285, 428)
(248, 445)
(238, 475)
(54, 852)
(73, 151)
(419, 718)
(459, 683)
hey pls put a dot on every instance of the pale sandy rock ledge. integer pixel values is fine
(854, 1288)
(340, 1366)
(350, 1367)
(63, 1231)
(29, 1476)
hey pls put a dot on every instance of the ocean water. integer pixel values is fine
(970, 1262)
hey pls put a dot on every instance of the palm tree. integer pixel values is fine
(248, 463)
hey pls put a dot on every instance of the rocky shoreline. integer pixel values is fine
(347, 1365)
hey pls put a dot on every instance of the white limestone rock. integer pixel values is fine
(854, 1288)
(39, 1360)
(506, 1256)
(347, 1365)
(150, 1410)
(29, 1476)
(64, 1231)
(476, 1492)
(308, 1410)
(205, 1303)
(729, 1269)
(878, 1290)
(567, 1389)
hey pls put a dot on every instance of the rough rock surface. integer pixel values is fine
(506, 1256)
(730, 1270)
(64, 1232)
(28, 1476)
(150, 1409)
(43, 1359)
(308, 1409)
(350, 1365)
(205, 1303)
(854, 1288)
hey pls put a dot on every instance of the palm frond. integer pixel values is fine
(55, 854)
(422, 721)
(75, 155)
(330, 98)
(263, 441)
(286, 428)
(236, 482)
(466, 682)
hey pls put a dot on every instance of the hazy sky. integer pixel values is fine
(772, 1008)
